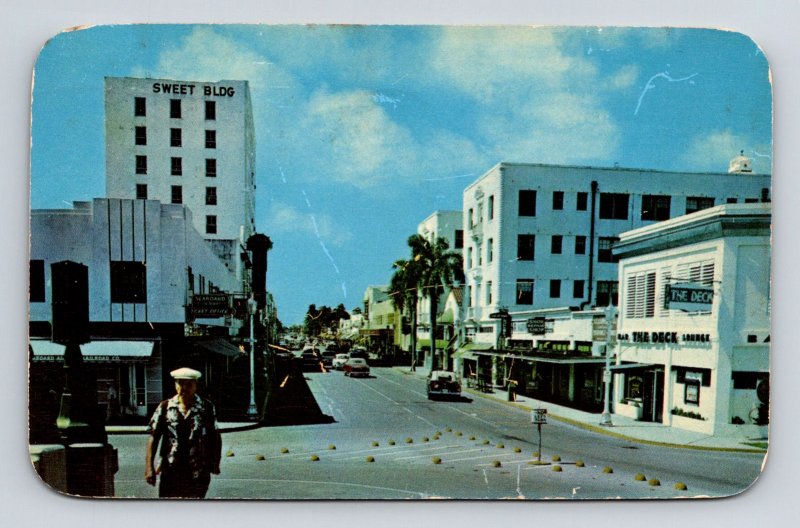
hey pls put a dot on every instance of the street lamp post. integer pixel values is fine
(252, 308)
(605, 418)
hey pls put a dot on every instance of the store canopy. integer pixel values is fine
(95, 351)
(566, 360)
(218, 346)
(446, 317)
(441, 344)
(632, 366)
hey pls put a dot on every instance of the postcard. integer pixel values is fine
(400, 262)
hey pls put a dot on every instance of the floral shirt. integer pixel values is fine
(191, 439)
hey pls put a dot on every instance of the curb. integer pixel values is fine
(605, 431)
(113, 430)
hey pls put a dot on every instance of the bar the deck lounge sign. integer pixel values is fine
(690, 297)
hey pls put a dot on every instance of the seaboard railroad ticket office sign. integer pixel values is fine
(209, 305)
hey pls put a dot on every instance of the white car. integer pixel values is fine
(356, 367)
(443, 383)
(339, 360)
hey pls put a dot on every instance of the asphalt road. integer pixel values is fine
(485, 450)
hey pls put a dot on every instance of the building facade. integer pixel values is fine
(189, 143)
(541, 236)
(693, 330)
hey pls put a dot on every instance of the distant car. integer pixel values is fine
(311, 360)
(358, 353)
(339, 360)
(327, 358)
(356, 367)
(443, 383)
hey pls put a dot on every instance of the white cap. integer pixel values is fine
(186, 374)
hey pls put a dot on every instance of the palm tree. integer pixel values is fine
(403, 290)
(438, 268)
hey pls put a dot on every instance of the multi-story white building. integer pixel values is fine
(190, 143)
(145, 264)
(693, 328)
(540, 236)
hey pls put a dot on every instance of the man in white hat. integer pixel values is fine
(191, 445)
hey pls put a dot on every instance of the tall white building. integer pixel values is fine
(540, 236)
(190, 143)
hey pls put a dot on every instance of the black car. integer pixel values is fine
(312, 362)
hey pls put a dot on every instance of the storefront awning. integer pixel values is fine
(374, 331)
(218, 346)
(441, 344)
(565, 360)
(95, 351)
(632, 366)
(477, 346)
(446, 317)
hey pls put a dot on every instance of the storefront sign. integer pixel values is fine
(664, 337)
(689, 297)
(209, 305)
(536, 326)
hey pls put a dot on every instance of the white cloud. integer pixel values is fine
(714, 151)
(283, 219)
(625, 77)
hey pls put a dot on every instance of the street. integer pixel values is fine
(484, 450)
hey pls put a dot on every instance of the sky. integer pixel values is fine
(364, 131)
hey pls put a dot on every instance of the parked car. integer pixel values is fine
(356, 367)
(443, 383)
(311, 360)
(357, 352)
(339, 360)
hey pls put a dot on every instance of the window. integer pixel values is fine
(640, 297)
(470, 214)
(655, 207)
(604, 249)
(211, 224)
(211, 168)
(174, 137)
(558, 200)
(555, 244)
(211, 110)
(141, 191)
(580, 245)
(577, 289)
(524, 291)
(614, 206)
(555, 289)
(526, 247)
(527, 203)
(211, 139)
(141, 164)
(479, 251)
(491, 207)
(459, 239)
(37, 289)
(469, 257)
(607, 290)
(211, 196)
(698, 203)
(732, 200)
(750, 200)
(139, 106)
(141, 135)
(177, 194)
(175, 108)
(583, 200)
(176, 166)
(488, 289)
(128, 282)
(490, 251)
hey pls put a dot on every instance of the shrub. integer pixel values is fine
(737, 421)
(677, 411)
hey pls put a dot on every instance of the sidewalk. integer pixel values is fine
(624, 427)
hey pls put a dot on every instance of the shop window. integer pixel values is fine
(655, 207)
(614, 206)
(527, 203)
(128, 282)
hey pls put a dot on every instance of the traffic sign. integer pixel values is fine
(539, 416)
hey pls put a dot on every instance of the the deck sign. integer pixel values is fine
(689, 297)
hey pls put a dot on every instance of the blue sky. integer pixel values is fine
(362, 132)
